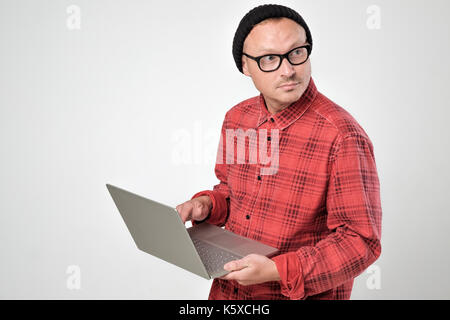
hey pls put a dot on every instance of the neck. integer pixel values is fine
(274, 108)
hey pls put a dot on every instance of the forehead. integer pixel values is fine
(274, 35)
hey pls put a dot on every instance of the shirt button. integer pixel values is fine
(269, 138)
(259, 177)
(247, 217)
(271, 119)
(235, 290)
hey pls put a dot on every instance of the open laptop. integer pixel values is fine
(202, 249)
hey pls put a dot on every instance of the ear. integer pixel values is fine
(245, 66)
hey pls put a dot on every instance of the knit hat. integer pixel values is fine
(255, 16)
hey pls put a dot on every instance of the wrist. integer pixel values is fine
(274, 274)
(209, 202)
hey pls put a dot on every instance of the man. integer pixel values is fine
(320, 203)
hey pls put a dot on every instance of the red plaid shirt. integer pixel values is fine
(321, 208)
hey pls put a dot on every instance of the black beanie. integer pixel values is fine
(255, 16)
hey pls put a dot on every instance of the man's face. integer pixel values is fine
(277, 36)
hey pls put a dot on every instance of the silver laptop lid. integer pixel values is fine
(158, 230)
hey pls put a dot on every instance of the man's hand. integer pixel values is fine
(252, 269)
(196, 209)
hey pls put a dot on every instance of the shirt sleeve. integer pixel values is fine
(354, 221)
(220, 194)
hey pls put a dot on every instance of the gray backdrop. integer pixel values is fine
(133, 93)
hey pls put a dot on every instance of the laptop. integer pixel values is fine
(203, 249)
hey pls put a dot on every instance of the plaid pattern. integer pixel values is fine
(321, 208)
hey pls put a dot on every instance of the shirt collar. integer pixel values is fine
(287, 116)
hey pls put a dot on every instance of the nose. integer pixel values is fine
(287, 69)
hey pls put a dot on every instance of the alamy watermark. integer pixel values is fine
(257, 148)
(73, 21)
(373, 282)
(374, 19)
(73, 281)
(236, 146)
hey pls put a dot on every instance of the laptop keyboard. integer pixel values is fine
(213, 257)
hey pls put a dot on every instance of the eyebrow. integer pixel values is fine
(269, 50)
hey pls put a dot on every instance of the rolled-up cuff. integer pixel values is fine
(218, 212)
(290, 271)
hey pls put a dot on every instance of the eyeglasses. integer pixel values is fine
(271, 62)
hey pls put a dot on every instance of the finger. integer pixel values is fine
(235, 265)
(186, 217)
(229, 276)
(240, 276)
(180, 211)
(184, 214)
(224, 277)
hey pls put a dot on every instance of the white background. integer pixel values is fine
(108, 103)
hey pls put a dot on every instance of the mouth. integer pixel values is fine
(289, 86)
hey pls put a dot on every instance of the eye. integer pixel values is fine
(269, 58)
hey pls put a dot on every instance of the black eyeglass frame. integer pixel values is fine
(281, 56)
